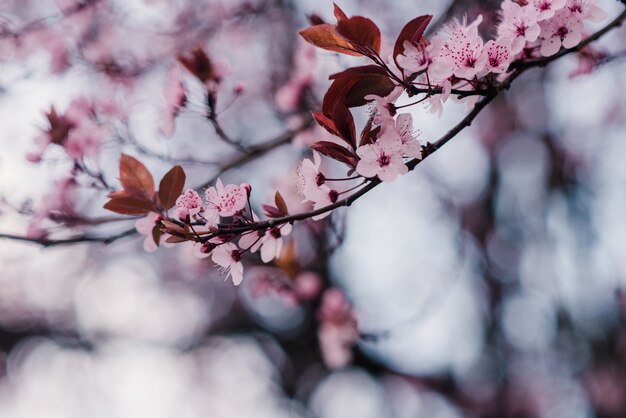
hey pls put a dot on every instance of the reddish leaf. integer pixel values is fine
(325, 122)
(280, 203)
(325, 36)
(129, 205)
(334, 106)
(173, 239)
(368, 135)
(336, 152)
(116, 194)
(370, 79)
(339, 14)
(360, 32)
(412, 32)
(135, 178)
(171, 186)
(379, 86)
(344, 121)
(272, 212)
(361, 71)
(315, 19)
(156, 234)
(198, 64)
(172, 227)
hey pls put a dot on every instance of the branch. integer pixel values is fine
(429, 148)
(260, 150)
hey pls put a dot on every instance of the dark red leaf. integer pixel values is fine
(364, 70)
(156, 234)
(280, 203)
(325, 36)
(315, 19)
(336, 152)
(129, 205)
(171, 186)
(368, 135)
(173, 239)
(135, 178)
(172, 227)
(360, 32)
(334, 106)
(370, 79)
(325, 122)
(339, 14)
(198, 64)
(412, 32)
(344, 121)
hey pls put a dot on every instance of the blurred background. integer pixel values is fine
(489, 282)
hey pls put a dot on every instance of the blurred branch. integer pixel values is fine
(44, 22)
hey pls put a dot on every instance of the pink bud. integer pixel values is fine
(239, 88)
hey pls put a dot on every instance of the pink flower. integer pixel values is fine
(382, 159)
(435, 103)
(273, 242)
(85, 140)
(175, 99)
(228, 257)
(338, 329)
(309, 177)
(402, 130)
(225, 200)
(462, 52)
(415, 58)
(188, 205)
(382, 108)
(145, 226)
(519, 25)
(547, 8)
(587, 9)
(563, 28)
(498, 56)
(322, 197)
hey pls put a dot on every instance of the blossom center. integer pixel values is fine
(384, 160)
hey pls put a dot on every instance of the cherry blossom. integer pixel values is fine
(322, 197)
(188, 205)
(519, 25)
(415, 58)
(498, 56)
(462, 52)
(564, 28)
(383, 109)
(228, 257)
(175, 99)
(225, 200)
(402, 130)
(587, 9)
(85, 141)
(309, 178)
(547, 8)
(436, 102)
(273, 243)
(383, 158)
(145, 226)
(338, 329)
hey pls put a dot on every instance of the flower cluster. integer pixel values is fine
(80, 130)
(458, 56)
